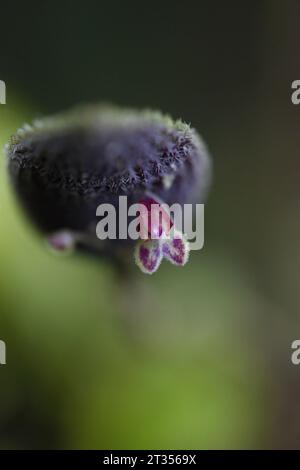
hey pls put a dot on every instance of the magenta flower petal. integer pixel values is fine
(148, 255)
(154, 219)
(176, 250)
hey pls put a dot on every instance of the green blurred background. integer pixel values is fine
(188, 358)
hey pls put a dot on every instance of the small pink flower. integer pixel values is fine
(159, 239)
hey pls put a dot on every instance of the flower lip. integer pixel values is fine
(154, 220)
